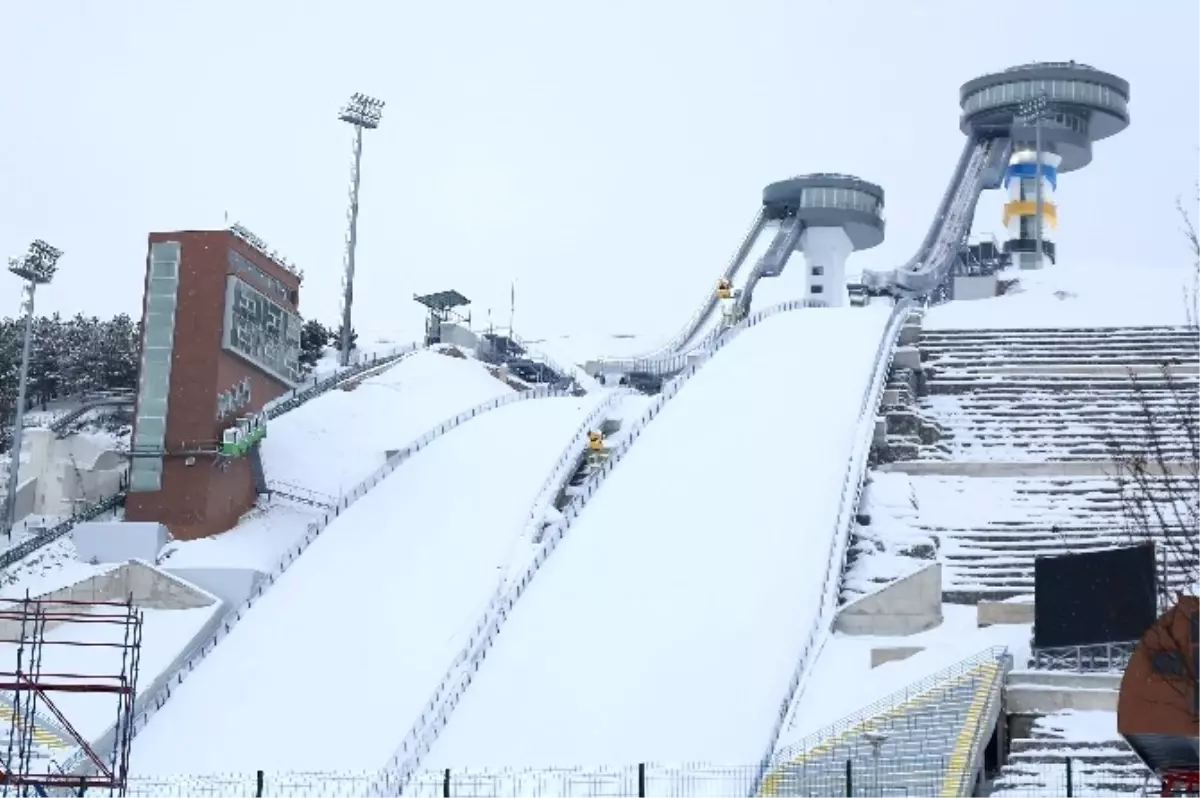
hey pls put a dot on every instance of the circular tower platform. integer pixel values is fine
(1084, 105)
(830, 200)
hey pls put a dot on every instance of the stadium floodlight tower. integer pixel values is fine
(36, 267)
(828, 216)
(364, 113)
(1051, 112)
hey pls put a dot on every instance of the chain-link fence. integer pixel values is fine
(890, 778)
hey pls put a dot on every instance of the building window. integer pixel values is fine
(243, 265)
(261, 331)
(817, 271)
(154, 381)
(818, 289)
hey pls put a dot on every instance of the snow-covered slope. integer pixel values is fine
(347, 431)
(668, 623)
(329, 444)
(333, 664)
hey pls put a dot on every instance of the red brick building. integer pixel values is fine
(220, 339)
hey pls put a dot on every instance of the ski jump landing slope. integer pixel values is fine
(329, 670)
(667, 624)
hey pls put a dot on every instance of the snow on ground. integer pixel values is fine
(165, 633)
(346, 433)
(1082, 295)
(332, 666)
(1079, 726)
(667, 623)
(846, 660)
(332, 442)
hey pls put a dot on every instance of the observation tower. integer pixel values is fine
(1065, 107)
(829, 216)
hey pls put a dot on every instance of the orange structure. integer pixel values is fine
(1157, 708)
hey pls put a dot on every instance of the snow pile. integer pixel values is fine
(889, 547)
(642, 638)
(389, 591)
(1078, 296)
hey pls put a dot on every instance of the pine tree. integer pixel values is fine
(336, 340)
(45, 357)
(314, 337)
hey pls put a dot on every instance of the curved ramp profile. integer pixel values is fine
(667, 626)
(347, 647)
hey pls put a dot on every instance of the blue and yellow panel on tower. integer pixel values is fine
(1029, 208)
(1029, 170)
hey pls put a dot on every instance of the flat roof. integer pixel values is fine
(443, 300)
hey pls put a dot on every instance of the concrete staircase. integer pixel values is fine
(1050, 395)
(1006, 436)
(987, 532)
(915, 746)
(1037, 765)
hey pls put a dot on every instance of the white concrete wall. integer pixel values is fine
(826, 248)
(904, 607)
(76, 469)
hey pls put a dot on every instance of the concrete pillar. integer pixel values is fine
(825, 252)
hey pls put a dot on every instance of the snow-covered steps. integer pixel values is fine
(929, 733)
(1101, 762)
(1055, 395)
(987, 531)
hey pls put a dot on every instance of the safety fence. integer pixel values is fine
(885, 777)
(887, 705)
(707, 307)
(852, 485)
(436, 713)
(161, 690)
(274, 409)
(361, 363)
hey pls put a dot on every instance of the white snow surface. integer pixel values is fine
(332, 442)
(1078, 295)
(165, 633)
(330, 668)
(347, 432)
(668, 622)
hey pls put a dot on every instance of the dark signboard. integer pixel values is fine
(1094, 597)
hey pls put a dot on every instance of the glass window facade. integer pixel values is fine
(1064, 90)
(845, 198)
(242, 265)
(158, 342)
(261, 331)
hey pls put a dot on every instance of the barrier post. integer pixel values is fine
(446, 784)
(260, 782)
(849, 778)
(1070, 780)
(641, 780)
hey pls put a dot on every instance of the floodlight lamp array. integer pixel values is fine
(242, 232)
(38, 265)
(362, 111)
(1034, 107)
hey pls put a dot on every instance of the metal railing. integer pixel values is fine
(436, 713)
(962, 783)
(852, 483)
(154, 699)
(1096, 658)
(888, 703)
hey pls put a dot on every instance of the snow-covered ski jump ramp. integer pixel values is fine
(668, 625)
(338, 658)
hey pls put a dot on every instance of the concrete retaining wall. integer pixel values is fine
(904, 607)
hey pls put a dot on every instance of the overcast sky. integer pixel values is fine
(607, 157)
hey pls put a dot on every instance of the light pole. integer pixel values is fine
(36, 268)
(1034, 110)
(363, 113)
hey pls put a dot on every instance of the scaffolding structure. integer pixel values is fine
(32, 625)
